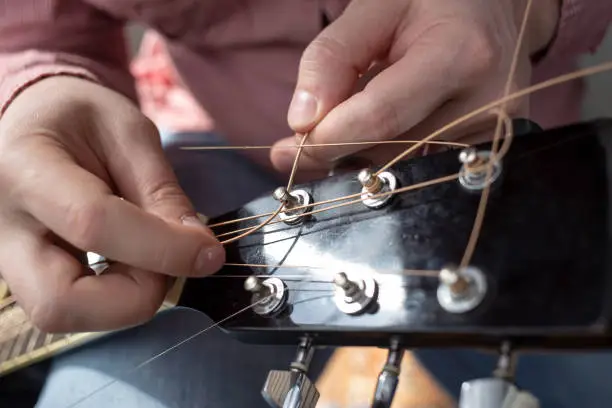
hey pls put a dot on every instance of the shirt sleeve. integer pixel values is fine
(582, 27)
(42, 38)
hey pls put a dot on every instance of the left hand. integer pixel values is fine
(405, 68)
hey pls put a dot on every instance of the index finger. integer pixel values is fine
(80, 208)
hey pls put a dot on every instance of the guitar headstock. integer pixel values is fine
(539, 274)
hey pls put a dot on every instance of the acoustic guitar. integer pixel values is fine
(378, 259)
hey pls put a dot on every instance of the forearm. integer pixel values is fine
(39, 39)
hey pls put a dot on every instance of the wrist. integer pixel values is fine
(542, 25)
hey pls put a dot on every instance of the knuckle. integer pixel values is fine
(134, 123)
(324, 50)
(85, 223)
(481, 54)
(164, 191)
(384, 117)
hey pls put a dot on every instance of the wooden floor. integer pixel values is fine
(350, 379)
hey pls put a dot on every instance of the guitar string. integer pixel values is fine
(585, 72)
(166, 351)
(246, 265)
(179, 344)
(380, 142)
(282, 205)
(581, 73)
(378, 195)
(501, 118)
(555, 81)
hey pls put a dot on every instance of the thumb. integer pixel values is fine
(332, 64)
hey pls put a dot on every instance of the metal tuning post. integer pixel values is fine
(269, 296)
(374, 185)
(354, 297)
(475, 169)
(388, 378)
(461, 289)
(292, 388)
(297, 203)
(498, 391)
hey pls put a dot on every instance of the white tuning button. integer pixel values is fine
(269, 296)
(353, 297)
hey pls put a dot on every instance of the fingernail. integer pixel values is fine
(302, 110)
(195, 221)
(210, 260)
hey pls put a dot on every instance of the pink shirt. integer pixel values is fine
(227, 65)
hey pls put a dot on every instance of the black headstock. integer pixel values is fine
(543, 251)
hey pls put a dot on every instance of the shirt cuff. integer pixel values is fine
(19, 71)
(582, 27)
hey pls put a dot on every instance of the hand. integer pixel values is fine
(69, 149)
(405, 69)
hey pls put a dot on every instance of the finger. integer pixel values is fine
(81, 209)
(474, 131)
(400, 97)
(51, 287)
(141, 172)
(332, 64)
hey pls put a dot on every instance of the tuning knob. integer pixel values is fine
(388, 379)
(498, 391)
(292, 388)
(494, 393)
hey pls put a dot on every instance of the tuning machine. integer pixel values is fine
(498, 391)
(269, 296)
(374, 187)
(354, 296)
(388, 379)
(292, 388)
(479, 169)
(297, 204)
(461, 289)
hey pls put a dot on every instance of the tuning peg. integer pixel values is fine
(269, 296)
(475, 173)
(499, 390)
(292, 388)
(461, 289)
(354, 296)
(297, 204)
(373, 185)
(495, 393)
(388, 378)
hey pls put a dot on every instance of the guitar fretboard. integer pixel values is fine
(22, 344)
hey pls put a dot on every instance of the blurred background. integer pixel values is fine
(597, 103)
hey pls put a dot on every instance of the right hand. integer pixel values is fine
(82, 169)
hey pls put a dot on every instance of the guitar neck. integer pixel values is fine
(22, 344)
